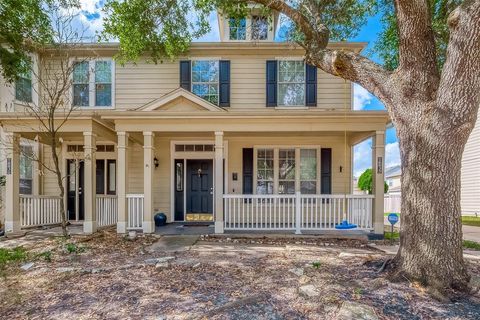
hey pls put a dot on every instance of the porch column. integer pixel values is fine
(12, 175)
(37, 150)
(90, 185)
(378, 168)
(122, 181)
(148, 166)
(218, 182)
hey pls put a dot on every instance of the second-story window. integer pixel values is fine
(23, 87)
(238, 28)
(103, 83)
(93, 83)
(81, 91)
(205, 79)
(291, 83)
(259, 28)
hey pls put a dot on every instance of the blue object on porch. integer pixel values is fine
(345, 225)
(160, 219)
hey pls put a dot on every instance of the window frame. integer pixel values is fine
(24, 162)
(192, 83)
(276, 163)
(252, 33)
(34, 84)
(23, 77)
(230, 27)
(92, 84)
(304, 104)
(255, 165)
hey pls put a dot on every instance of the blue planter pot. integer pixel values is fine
(160, 219)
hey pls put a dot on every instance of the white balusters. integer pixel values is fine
(296, 212)
(135, 211)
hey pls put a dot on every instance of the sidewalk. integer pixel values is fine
(469, 232)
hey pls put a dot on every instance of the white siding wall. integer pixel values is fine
(471, 173)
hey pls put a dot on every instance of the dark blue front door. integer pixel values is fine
(200, 186)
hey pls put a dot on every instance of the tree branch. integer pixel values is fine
(417, 51)
(459, 89)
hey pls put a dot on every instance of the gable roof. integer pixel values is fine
(177, 94)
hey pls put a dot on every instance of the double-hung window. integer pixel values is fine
(23, 87)
(291, 83)
(93, 83)
(26, 169)
(205, 75)
(238, 28)
(308, 171)
(285, 170)
(265, 170)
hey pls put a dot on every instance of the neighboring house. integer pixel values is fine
(393, 176)
(470, 193)
(240, 132)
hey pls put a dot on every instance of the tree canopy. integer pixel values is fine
(365, 182)
(23, 25)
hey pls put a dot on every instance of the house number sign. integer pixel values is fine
(379, 165)
(9, 165)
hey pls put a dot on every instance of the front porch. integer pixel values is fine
(252, 176)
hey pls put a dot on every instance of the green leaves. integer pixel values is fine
(387, 44)
(365, 182)
(162, 29)
(23, 26)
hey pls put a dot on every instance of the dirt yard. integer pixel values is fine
(109, 277)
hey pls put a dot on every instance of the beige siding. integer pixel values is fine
(138, 84)
(341, 182)
(471, 173)
(48, 177)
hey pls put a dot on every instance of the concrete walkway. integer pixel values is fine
(471, 233)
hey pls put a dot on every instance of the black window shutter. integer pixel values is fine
(247, 166)
(224, 84)
(185, 75)
(326, 171)
(271, 83)
(311, 86)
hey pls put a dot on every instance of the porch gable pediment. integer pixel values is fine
(180, 100)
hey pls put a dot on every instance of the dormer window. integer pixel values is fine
(238, 28)
(259, 28)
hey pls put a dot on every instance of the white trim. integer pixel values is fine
(276, 169)
(198, 155)
(292, 59)
(179, 92)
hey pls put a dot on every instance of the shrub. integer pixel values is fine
(365, 182)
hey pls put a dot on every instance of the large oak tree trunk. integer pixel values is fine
(431, 229)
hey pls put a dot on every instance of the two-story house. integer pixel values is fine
(241, 133)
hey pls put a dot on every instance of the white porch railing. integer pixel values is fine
(39, 210)
(107, 210)
(135, 211)
(296, 212)
(392, 203)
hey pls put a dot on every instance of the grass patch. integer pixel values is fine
(468, 244)
(387, 213)
(12, 255)
(388, 235)
(471, 221)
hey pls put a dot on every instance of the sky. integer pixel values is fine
(91, 15)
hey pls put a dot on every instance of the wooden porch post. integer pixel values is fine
(12, 174)
(218, 182)
(90, 187)
(122, 181)
(148, 167)
(378, 168)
